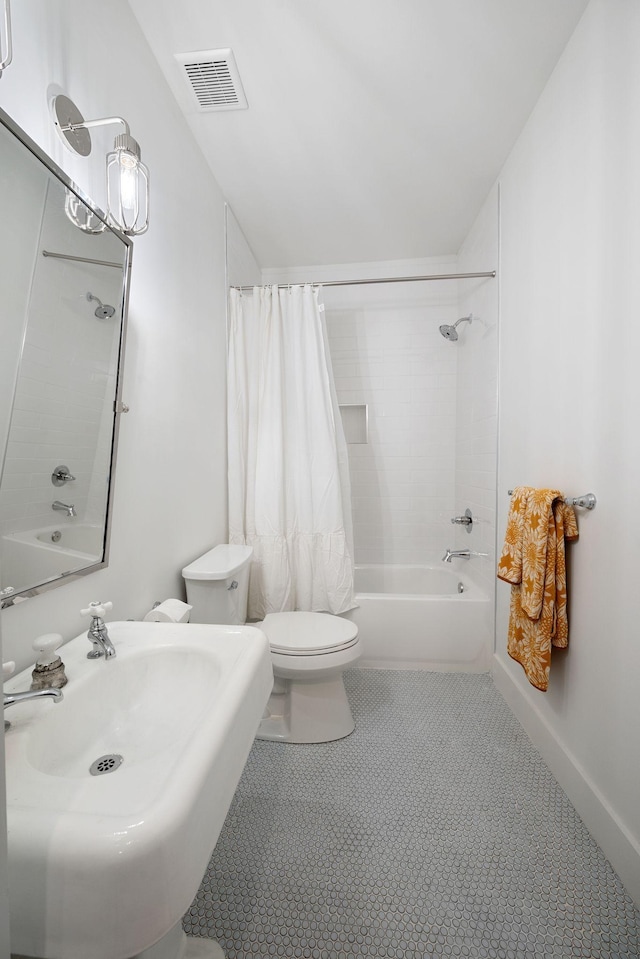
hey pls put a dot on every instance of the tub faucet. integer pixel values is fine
(460, 554)
(11, 698)
(102, 645)
(456, 554)
(70, 510)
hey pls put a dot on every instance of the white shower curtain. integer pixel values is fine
(289, 494)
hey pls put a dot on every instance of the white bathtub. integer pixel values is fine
(34, 556)
(422, 617)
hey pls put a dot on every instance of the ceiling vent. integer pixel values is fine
(213, 79)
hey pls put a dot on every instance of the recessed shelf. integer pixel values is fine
(355, 422)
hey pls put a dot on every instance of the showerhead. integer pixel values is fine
(450, 332)
(103, 311)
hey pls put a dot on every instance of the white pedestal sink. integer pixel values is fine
(104, 866)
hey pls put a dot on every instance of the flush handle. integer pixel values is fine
(234, 585)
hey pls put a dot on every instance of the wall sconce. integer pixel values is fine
(127, 176)
(6, 48)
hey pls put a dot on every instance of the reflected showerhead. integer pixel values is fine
(450, 332)
(103, 311)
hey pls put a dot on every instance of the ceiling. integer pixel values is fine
(375, 128)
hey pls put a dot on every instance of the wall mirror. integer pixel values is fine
(64, 277)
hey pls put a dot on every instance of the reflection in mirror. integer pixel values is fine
(63, 280)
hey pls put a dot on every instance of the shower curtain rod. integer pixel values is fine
(386, 279)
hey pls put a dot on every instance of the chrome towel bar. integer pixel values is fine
(586, 501)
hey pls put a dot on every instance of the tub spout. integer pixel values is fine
(456, 554)
(450, 554)
(67, 508)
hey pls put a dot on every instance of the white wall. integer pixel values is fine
(477, 397)
(242, 267)
(170, 494)
(569, 399)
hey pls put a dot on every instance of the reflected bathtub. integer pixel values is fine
(38, 555)
(422, 617)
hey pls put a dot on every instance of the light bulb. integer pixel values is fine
(129, 185)
(127, 188)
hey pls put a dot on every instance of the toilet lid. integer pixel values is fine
(218, 563)
(306, 634)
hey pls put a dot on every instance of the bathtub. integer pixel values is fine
(422, 617)
(37, 555)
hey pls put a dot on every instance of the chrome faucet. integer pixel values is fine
(460, 554)
(11, 698)
(102, 645)
(70, 510)
(456, 554)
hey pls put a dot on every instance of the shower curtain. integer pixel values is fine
(289, 495)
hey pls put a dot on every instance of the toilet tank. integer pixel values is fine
(218, 585)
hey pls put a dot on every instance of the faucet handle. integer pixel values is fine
(466, 520)
(97, 609)
(46, 646)
(8, 669)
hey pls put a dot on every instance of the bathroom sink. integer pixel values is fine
(103, 863)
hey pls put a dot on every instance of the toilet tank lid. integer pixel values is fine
(219, 563)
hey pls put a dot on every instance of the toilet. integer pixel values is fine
(309, 651)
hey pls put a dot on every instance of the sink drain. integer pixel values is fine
(106, 764)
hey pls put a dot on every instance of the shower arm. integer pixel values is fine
(463, 319)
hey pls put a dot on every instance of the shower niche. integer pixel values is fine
(355, 422)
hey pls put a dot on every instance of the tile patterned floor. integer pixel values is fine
(433, 830)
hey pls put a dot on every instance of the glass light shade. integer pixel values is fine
(81, 216)
(127, 189)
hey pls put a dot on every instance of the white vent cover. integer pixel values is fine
(213, 79)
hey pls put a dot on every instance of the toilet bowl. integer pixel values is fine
(309, 651)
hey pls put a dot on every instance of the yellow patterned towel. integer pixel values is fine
(533, 561)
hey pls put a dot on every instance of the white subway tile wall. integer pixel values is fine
(477, 396)
(387, 352)
(432, 403)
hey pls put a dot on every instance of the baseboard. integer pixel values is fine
(422, 665)
(615, 841)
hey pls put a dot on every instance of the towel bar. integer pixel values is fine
(586, 501)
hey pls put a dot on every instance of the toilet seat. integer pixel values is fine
(308, 634)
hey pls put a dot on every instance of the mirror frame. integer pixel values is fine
(53, 169)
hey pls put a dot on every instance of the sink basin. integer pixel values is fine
(102, 865)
